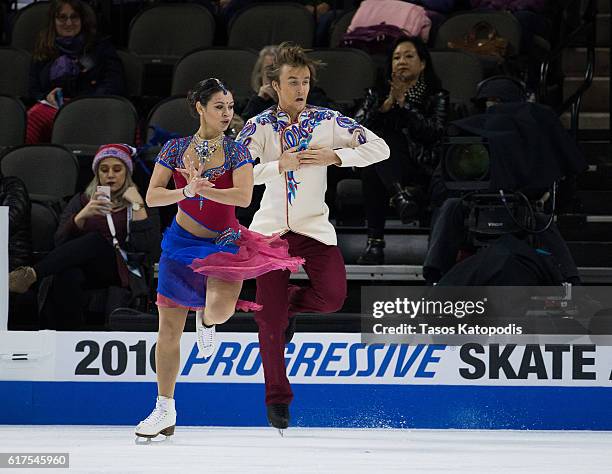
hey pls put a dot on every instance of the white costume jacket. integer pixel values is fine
(295, 200)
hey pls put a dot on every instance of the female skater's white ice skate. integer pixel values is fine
(205, 336)
(162, 420)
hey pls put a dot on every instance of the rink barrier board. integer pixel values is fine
(107, 378)
(342, 406)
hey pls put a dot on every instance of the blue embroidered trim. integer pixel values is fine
(236, 155)
(228, 237)
(163, 163)
(352, 126)
(245, 162)
(293, 134)
(244, 137)
(292, 186)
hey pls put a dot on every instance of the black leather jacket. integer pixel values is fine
(423, 127)
(13, 194)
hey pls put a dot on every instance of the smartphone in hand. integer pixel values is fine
(59, 98)
(104, 193)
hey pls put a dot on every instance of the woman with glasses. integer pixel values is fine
(69, 60)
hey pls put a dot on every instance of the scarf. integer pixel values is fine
(67, 64)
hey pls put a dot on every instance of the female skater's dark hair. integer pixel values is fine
(203, 91)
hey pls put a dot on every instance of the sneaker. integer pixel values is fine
(21, 279)
(162, 420)
(205, 336)
(278, 415)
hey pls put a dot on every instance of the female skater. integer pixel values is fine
(206, 254)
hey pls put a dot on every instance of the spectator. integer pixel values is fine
(90, 246)
(260, 83)
(410, 114)
(14, 194)
(69, 60)
(324, 17)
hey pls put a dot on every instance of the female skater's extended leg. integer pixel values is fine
(167, 361)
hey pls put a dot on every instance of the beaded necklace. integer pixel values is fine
(206, 148)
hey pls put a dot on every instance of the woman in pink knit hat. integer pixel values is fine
(96, 228)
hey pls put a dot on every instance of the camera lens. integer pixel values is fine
(467, 162)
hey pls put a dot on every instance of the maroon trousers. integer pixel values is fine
(326, 293)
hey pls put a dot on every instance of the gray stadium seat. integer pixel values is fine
(13, 120)
(14, 71)
(85, 123)
(458, 25)
(44, 222)
(354, 66)
(55, 170)
(233, 66)
(134, 72)
(264, 24)
(27, 24)
(172, 115)
(339, 27)
(166, 32)
(460, 73)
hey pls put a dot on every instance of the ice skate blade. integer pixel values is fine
(166, 433)
(281, 432)
(145, 440)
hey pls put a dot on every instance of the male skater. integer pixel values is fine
(295, 143)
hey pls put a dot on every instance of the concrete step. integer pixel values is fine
(594, 203)
(597, 96)
(597, 178)
(400, 249)
(597, 152)
(579, 230)
(591, 254)
(574, 61)
(589, 120)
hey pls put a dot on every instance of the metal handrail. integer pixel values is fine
(574, 102)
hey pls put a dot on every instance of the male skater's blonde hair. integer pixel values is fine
(293, 55)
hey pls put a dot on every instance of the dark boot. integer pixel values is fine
(278, 415)
(373, 253)
(404, 203)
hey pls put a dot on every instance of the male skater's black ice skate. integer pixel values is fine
(278, 416)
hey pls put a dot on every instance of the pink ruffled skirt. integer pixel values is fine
(187, 261)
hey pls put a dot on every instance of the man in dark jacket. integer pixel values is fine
(529, 151)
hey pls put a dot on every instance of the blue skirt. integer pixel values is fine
(176, 279)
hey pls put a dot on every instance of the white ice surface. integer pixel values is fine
(262, 450)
